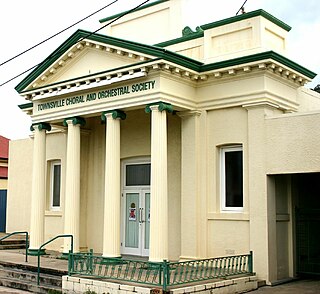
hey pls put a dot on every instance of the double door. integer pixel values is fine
(136, 222)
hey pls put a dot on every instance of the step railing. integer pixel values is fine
(161, 274)
(19, 233)
(46, 243)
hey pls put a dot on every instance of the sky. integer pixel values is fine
(26, 23)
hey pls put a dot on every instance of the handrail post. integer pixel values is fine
(27, 245)
(16, 233)
(165, 276)
(56, 237)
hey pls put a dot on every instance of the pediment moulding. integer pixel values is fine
(74, 51)
(142, 69)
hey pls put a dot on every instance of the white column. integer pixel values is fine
(159, 188)
(38, 187)
(72, 194)
(111, 230)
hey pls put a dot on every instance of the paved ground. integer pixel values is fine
(13, 291)
(311, 286)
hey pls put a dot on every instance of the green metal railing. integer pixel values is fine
(46, 243)
(19, 233)
(161, 274)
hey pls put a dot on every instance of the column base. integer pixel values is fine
(64, 256)
(36, 252)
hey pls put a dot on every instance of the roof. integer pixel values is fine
(4, 147)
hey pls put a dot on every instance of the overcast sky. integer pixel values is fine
(25, 23)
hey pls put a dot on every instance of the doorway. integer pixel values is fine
(136, 207)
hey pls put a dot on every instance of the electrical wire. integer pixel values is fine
(27, 50)
(241, 6)
(80, 40)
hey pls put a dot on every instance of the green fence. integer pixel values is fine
(160, 274)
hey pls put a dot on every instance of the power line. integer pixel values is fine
(27, 50)
(80, 40)
(242, 7)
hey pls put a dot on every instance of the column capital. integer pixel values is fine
(41, 126)
(76, 120)
(116, 113)
(161, 107)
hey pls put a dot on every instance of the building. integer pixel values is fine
(201, 145)
(4, 156)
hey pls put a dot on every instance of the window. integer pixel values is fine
(138, 174)
(55, 185)
(232, 178)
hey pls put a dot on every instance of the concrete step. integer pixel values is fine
(29, 286)
(24, 277)
(13, 244)
(29, 276)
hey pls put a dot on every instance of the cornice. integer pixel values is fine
(259, 12)
(270, 62)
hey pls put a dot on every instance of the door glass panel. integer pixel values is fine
(132, 220)
(138, 174)
(147, 221)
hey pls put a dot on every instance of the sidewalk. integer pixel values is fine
(311, 286)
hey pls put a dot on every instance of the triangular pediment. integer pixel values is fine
(85, 55)
(86, 60)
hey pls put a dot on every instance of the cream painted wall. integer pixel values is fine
(292, 143)
(226, 127)
(19, 185)
(3, 184)
(139, 25)
(242, 38)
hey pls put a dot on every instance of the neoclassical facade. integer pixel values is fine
(170, 145)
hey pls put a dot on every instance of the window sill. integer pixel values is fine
(53, 213)
(233, 216)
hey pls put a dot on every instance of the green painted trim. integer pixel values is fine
(26, 105)
(41, 126)
(116, 113)
(126, 12)
(161, 106)
(36, 252)
(130, 45)
(158, 53)
(76, 120)
(185, 38)
(256, 57)
(259, 12)
(97, 73)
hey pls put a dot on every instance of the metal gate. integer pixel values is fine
(3, 210)
(308, 241)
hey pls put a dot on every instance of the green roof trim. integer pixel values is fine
(125, 12)
(157, 52)
(97, 73)
(25, 105)
(193, 36)
(259, 12)
(260, 56)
